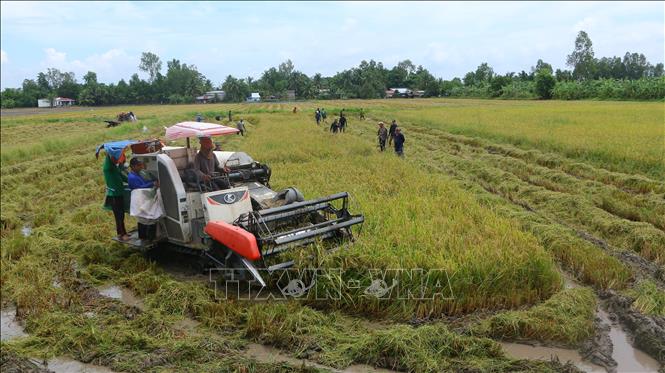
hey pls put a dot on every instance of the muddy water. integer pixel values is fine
(122, 294)
(10, 328)
(66, 365)
(271, 355)
(628, 358)
(523, 351)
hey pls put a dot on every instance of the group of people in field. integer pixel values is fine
(205, 166)
(339, 125)
(393, 135)
(320, 115)
(240, 125)
(116, 175)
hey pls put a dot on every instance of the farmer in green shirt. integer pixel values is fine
(114, 178)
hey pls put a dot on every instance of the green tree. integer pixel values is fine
(582, 58)
(59, 83)
(541, 65)
(29, 94)
(90, 94)
(43, 83)
(563, 75)
(497, 83)
(151, 64)
(185, 81)
(139, 90)
(636, 65)
(545, 83)
(400, 75)
(236, 90)
(448, 87)
(424, 80)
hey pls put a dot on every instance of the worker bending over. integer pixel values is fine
(147, 227)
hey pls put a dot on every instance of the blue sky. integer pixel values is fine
(244, 39)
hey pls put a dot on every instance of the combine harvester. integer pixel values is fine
(240, 227)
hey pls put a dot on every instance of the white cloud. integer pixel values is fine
(110, 65)
(586, 24)
(221, 38)
(54, 58)
(3, 56)
(438, 52)
(349, 24)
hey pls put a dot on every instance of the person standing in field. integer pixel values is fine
(241, 127)
(295, 109)
(199, 117)
(382, 134)
(324, 115)
(342, 123)
(334, 127)
(114, 178)
(399, 142)
(317, 116)
(230, 119)
(391, 132)
(362, 114)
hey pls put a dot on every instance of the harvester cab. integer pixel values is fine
(242, 227)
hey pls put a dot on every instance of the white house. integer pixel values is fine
(254, 97)
(57, 102)
(63, 101)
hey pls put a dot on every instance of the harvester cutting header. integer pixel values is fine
(230, 215)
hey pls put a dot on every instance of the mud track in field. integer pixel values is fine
(648, 331)
(630, 205)
(636, 184)
(581, 205)
(622, 204)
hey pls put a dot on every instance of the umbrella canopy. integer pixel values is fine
(197, 129)
(114, 149)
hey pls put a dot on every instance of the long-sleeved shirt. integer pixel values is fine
(392, 129)
(206, 166)
(136, 181)
(114, 178)
(399, 142)
(382, 133)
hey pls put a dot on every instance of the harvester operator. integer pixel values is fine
(206, 164)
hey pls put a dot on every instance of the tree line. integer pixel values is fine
(630, 77)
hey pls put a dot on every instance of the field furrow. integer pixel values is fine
(577, 210)
(487, 219)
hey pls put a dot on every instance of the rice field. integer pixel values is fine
(501, 201)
